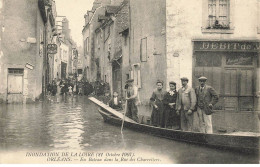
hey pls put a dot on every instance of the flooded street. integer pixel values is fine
(70, 123)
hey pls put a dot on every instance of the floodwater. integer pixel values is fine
(73, 123)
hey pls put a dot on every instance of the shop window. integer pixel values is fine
(143, 52)
(218, 14)
(205, 59)
(239, 59)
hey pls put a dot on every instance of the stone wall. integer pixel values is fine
(20, 45)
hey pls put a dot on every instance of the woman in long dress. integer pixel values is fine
(157, 117)
(172, 120)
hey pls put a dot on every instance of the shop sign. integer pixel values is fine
(226, 46)
(52, 48)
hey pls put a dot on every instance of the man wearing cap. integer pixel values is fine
(207, 97)
(132, 100)
(186, 102)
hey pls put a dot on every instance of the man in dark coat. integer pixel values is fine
(207, 97)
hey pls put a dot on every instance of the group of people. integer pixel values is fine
(73, 87)
(174, 109)
(180, 108)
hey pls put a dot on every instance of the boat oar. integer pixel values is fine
(124, 117)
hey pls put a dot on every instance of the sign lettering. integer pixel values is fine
(227, 46)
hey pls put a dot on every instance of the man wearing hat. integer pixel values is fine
(186, 102)
(132, 100)
(207, 97)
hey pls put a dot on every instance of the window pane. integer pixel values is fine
(212, 12)
(246, 103)
(218, 10)
(239, 59)
(202, 61)
(208, 59)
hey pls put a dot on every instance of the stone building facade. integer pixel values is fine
(23, 49)
(220, 40)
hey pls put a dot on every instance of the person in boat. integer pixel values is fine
(157, 117)
(172, 120)
(132, 100)
(186, 102)
(115, 102)
(207, 97)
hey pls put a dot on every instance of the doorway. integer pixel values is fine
(15, 85)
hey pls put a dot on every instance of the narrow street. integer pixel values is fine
(72, 123)
(188, 70)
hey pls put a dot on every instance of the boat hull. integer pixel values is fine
(247, 144)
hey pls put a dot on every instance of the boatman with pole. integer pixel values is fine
(207, 97)
(132, 100)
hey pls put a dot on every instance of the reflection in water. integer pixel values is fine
(73, 123)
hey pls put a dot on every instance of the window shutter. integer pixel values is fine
(223, 10)
(212, 12)
(139, 79)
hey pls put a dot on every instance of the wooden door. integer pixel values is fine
(15, 89)
(238, 83)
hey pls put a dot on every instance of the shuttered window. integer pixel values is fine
(218, 14)
(136, 75)
(143, 53)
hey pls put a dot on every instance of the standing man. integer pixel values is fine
(132, 100)
(207, 98)
(186, 102)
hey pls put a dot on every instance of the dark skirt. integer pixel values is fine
(157, 117)
(171, 118)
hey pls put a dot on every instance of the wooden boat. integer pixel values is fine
(248, 142)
